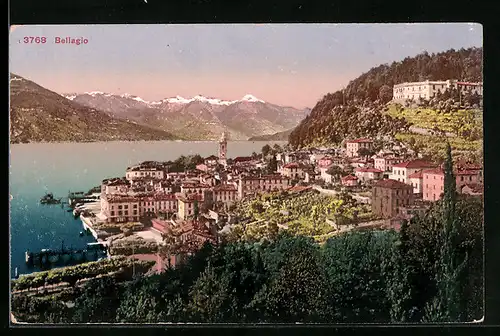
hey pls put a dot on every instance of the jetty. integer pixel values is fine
(82, 197)
(47, 257)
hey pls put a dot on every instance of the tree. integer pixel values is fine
(98, 302)
(450, 269)
(364, 152)
(212, 298)
(272, 165)
(336, 172)
(277, 148)
(196, 209)
(385, 94)
(266, 150)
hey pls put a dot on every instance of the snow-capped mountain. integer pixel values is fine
(40, 115)
(198, 117)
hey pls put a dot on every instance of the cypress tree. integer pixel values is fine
(449, 272)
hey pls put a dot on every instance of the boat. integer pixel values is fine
(81, 233)
(49, 199)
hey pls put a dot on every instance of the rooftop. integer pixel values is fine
(418, 174)
(392, 184)
(415, 164)
(349, 178)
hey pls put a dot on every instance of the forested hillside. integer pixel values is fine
(333, 116)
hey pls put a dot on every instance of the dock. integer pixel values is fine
(47, 257)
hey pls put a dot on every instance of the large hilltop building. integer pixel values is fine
(428, 89)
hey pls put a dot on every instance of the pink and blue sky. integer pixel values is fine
(286, 64)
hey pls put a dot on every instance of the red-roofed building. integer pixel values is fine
(292, 170)
(325, 162)
(433, 182)
(349, 181)
(353, 146)
(402, 171)
(368, 174)
(389, 195)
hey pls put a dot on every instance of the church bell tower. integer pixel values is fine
(223, 149)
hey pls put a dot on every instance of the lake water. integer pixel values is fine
(39, 168)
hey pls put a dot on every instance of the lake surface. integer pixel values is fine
(58, 168)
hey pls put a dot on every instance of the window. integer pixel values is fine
(135, 206)
(461, 178)
(112, 213)
(125, 206)
(135, 212)
(119, 207)
(119, 213)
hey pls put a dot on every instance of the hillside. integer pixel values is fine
(197, 118)
(280, 136)
(357, 111)
(40, 115)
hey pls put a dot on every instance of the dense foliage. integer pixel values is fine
(352, 112)
(72, 274)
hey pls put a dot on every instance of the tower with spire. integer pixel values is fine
(223, 149)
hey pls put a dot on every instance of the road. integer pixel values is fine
(425, 131)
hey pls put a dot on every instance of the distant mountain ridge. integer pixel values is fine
(40, 115)
(199, 117)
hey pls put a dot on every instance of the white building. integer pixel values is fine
(428, 89)
(138, 172)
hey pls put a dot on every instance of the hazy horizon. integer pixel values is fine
(285, 64)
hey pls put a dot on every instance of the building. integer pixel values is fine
(126, 208)
(389, 195)
(428, 89)
(142, 171)
(188, 204)
(386, 163)
(208, 179)
(194, 188)
(433, 182)
(416, 180)
(223, 149)
(211, 160)
(349, 181)
(353, 146)
(324, 162)
(226, 194)
(368, 174)
(249, 185)
(402, 171)
(292, 170)
(115, 186)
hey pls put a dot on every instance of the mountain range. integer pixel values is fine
(196, 118)
(40, 115)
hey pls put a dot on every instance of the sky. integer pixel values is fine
(286, 64)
